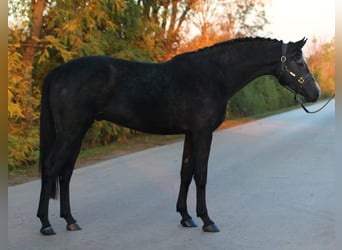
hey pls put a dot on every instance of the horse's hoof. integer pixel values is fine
(212, 228)
(188, 223)
(47, 231)
(73, 227)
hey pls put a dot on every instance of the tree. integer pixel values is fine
(213, 21)
(167, 18)
(322, 64)
(34, 11)
(22, 138)
(73, 30)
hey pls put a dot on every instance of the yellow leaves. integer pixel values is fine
(22, 150)
(14, 109)
(52, 42)
(20, 103)
(71, 26)
(15, 77)
(21, 146)
(22, 143)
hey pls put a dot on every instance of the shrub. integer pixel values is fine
(262, 95)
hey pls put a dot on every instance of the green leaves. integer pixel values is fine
(52, 43)
(261, 96)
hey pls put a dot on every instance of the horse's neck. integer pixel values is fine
(247, 61)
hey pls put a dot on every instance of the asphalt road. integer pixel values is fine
(270, 187)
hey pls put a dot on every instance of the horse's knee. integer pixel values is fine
(186, 178)
(201, 181)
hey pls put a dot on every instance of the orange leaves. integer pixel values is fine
(322, 65)
(214, 21)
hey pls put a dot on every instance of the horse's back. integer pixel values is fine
(109, 88)
(77, 89)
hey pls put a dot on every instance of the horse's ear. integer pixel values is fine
(300, 44)
(297, 46)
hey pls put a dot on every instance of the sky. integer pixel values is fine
(291, 20)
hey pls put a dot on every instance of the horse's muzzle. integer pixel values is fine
(311, 91)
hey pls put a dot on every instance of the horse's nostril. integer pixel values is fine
(315, 97)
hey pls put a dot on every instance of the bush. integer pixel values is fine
(103, 133)
(23, 151)
(262, 95)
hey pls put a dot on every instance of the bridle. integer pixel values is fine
(300, 79)
(285, 69)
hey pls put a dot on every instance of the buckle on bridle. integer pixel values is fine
(301, 80)
(283, 59)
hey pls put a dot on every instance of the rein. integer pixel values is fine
(300, 80)
(316, 111)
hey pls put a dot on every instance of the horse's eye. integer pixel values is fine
(300, 62)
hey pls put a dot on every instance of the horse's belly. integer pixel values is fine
(146, 121)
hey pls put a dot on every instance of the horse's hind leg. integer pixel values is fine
(187, 172)
(64, 181)
(43, 209)
(65, 203)
(64, 152)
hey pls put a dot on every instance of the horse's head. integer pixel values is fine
(294, 72)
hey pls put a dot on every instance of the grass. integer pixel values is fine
(132, 144)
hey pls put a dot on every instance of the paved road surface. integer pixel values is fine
(270, 187)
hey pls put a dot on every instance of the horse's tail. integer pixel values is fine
(47, 134)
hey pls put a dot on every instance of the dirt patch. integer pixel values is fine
(233, 123)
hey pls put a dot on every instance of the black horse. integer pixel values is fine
(186, 95)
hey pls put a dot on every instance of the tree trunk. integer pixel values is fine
(36, 21)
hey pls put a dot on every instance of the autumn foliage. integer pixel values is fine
(322, 64)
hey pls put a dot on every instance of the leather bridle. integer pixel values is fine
(284, 69)
(300, 79)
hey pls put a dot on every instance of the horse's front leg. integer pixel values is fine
(201, 150)
(187, 173)
(61, 160)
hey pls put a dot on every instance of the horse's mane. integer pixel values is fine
(229, 43)
(243, 39)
